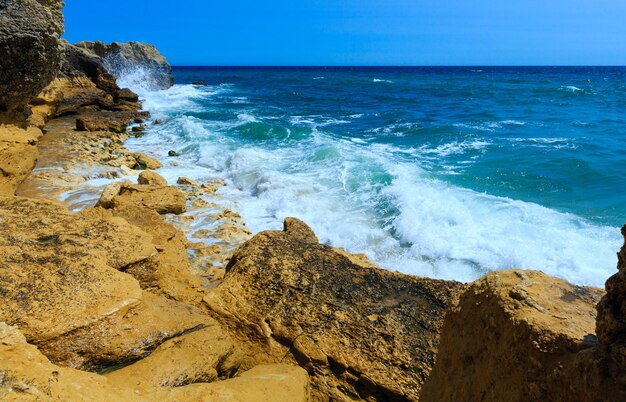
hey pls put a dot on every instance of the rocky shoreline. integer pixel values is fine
(109, 300)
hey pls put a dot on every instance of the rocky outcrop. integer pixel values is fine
(135, 61)
(62, 285)
(523, 335)
(611, 330)
(361, 332)
(30, 53)
(511, 336)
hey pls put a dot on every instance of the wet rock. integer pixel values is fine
(81, 63)
(151, 178)
(185, 181)
(110, 191)
(199, 83)
(361, 332)
(122, 59)
(30, 55)
(299, 230)
(144, 161)
(172, 153)
(127, 95)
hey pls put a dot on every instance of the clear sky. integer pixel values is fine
(361, 32)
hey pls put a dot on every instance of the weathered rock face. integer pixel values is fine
(28, 375)
(511, 336)
(611, 327)
(134, 59)
(18, 155)
(361, 332)
(168, 272)
(61, 285)
(30, 53)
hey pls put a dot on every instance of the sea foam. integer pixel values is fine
(374, 198)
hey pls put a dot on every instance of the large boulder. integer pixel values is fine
(511, 336)
(140, 64)
(360, 331)
(30, 52)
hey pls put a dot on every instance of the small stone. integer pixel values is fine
(185, 181)
(172, 153)
(151, 178)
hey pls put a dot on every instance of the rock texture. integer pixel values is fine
(135, 61)
(610, 362)
(26, 374)
(161, 199)
(523, 335)
(30, 53)
(360, 332)
(18, 155)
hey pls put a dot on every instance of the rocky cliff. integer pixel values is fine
(30, 53)
(150, 68)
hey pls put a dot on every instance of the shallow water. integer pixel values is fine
(441, 172)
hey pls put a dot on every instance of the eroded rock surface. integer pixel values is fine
(30, 53)
(510, 337)
(28, 375)
(360, 332)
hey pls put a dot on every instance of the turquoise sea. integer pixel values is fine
(437, 171)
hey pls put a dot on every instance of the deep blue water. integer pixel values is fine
(437, 171)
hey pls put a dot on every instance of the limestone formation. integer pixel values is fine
(361, 332)
(167, 272)
(30, 53)
(134, 58)
(18, 155)
(26, 374)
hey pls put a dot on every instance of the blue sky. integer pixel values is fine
(365, 32)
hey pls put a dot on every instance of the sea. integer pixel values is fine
(443, 172)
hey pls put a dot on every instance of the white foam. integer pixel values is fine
(375, 199)
(570, 88)
(490, 125)
(454, 148)
(380, 80)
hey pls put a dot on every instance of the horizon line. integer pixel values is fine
(396, 66)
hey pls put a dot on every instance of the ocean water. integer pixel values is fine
(440, 172)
